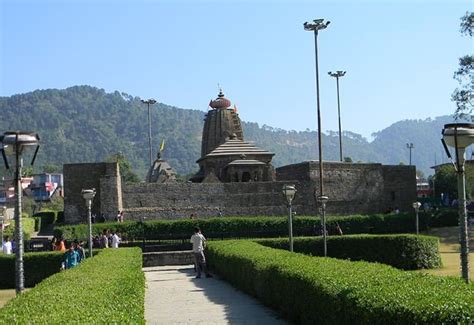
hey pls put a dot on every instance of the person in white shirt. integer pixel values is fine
(115, 240)
(7, 246)
(198, 241)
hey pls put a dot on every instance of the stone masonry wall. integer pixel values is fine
(104, 177)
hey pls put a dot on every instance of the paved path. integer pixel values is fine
(174, 296)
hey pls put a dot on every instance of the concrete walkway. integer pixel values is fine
(174, 296)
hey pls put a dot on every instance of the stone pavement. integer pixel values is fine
(174, 296)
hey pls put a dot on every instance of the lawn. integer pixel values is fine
(449, 251)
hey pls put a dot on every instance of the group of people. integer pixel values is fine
(108, 238)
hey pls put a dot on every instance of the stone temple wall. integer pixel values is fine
(351, 188)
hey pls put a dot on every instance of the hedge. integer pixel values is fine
(37, 266)
(47, 217)
(408, 252)
(109, 288)
(259, 226)
(318, 290)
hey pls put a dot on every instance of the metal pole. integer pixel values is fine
(19, 274)
(321, 184)
(149, 133)
(89, 219)
(417, 227)
(410, 154)
(325, 243)
(290, 227)
(463, 235)
(339, 115)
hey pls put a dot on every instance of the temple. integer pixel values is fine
(225, 156)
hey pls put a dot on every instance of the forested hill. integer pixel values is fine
(86, 124)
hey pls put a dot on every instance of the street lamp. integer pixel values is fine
(2, 221)
(322, 200)
(15, 143)
(416, 206)
(316, 26)
(149, 102)
(337, 75)
(88, 196)
(460, 136)
(410, 147)
(289, 192)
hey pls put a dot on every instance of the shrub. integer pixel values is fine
(109, 288)
(409, 252)
(245, 227)
(28, 225)
(48, 217)
(60, 217)
(444, 218)
(38, 266)
(318, 290)
(37, 223)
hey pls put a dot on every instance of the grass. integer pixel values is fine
(449, 250)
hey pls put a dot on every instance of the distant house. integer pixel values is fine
(44, 186)
(7, 189)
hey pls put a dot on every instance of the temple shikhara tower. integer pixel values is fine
(225, 156)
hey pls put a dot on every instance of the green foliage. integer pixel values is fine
(317, 290)
(48, 217)
(28, 205)
(60, 217)
(408, 252)
(245, 227)
(55, 204)
(38, 266)
(28, 225)
(464, 95)
(446, 181)
(126, 171)
(86, 124)
(109, 288)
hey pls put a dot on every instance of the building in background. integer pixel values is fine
(45, 186)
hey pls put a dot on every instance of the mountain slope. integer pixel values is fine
(86, 124)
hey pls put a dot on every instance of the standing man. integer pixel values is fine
(71, 257)
(115, 240)
(198, 241)
(7, 246)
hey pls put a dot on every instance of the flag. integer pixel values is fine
(162, 145)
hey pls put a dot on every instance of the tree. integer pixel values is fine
(464, 94)
(446, 181)
(128, 175)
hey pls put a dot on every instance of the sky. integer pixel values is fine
(400, 56)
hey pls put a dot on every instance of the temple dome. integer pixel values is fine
(220, 102)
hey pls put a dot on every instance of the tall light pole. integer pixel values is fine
(15, 143)
(416, 206)
(316, 26)
(88, 196)
(289, 192)
(338, 74)
(410, 147)
(2, 221)
(460, 136)
(149, 102)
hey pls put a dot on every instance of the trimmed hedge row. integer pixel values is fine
(244, 227)
(37, 266)
(408, 252)
(109, 288)
(318, 290)
(47, 217)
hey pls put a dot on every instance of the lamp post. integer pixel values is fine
(416, 206)
(316, 26)
(460, 136)
(149, 102)
(16, 143)
(289, 192)
(322, 200)
(88, 196)
(410, 147)
(2, 220)
(337, 75)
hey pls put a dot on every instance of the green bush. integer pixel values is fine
(408, 252)
(48, 217)
(37, 223)
(318, 290)
(28, 225)
(60, 217)
(109, 288)
(37, 266)
(245, 227)
(446, 217)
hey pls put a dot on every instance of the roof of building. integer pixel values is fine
(220, 102)
(246, 162)
(237, 147)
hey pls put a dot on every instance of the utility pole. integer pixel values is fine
(410, 147)
(337, 75)
(149, 102)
